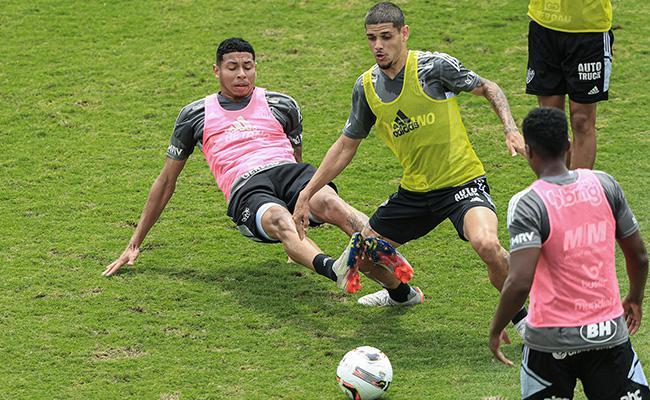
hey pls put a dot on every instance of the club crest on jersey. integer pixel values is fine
(403, 124)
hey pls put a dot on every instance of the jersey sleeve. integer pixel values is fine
(454, 76)
(361, 118)
(287, 112)
(626, 222)
(188, 130)
(525, 221)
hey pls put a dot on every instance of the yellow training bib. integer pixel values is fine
(426, 135)
(572, 15)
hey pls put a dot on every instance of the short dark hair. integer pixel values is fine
(233, 45)
(384, 12)
(546, 132)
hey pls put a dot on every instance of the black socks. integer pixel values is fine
(400, 293)
(323, 265)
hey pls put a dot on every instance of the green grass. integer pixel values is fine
(88, 96)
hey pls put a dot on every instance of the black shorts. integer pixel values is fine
(577, 64)
(613, 373)
(407, 215)
(279, 185)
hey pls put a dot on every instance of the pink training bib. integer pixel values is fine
(236, 142)
(575, 281)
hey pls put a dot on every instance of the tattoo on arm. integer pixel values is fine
(499, 103)
(355, 222)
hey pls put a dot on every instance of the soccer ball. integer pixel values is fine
(364, 373)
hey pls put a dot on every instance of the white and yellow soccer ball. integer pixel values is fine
(364, 373)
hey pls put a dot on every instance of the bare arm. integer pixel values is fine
(513, 296)
(636, 262)
(493, 93)
(297, 152)
(337, 158)
(159, 194)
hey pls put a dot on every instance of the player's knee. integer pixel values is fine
(330, 207)
(487, 246)
(280, 225)
(582, 124)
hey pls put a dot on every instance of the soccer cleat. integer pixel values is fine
(383, 253)
(382, 299)
(346, 268)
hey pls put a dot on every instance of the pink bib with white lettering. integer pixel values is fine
(236, 142)
(575, 281)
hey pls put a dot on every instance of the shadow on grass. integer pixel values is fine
(296, 297)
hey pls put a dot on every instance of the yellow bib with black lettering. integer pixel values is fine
(426, 135)
(572, 15)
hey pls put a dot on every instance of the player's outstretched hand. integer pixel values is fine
(495, 347)
(129, 256)
(633, 314)
(301, 215)
(515, 143)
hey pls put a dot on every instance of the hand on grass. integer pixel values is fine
(129, 256)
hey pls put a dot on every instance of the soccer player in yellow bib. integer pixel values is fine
(410, 97)
(570, 53)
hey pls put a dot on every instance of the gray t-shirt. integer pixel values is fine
(528, 219)
(188, 130)
(441, 76)
(529, 227)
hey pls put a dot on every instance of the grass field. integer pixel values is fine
(89, 92)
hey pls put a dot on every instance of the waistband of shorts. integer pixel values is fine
(401, 190)
(240, 181)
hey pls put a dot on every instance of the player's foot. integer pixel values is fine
(521, 327)
(382, 299)
(383, 253)
(346, 268)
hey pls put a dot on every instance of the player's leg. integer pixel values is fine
(583, 126)
(405, 216)
(260, 212)
(327, 206)
(546, 375)
(474, 216)
(613, 373)
(276, 222)
(552, 101)
(587, 69)
(480, 229)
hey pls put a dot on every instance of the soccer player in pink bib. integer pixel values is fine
(252, 141)
(563, 233)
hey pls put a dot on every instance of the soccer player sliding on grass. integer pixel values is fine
(252, 141)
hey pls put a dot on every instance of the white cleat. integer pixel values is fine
(346, 268)
(382, 299)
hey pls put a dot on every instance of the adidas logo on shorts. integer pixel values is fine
(594, 90)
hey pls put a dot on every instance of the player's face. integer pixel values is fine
(236, 75)
(387, 43)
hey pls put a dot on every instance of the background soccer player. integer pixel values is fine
(563, 234)
(570, 53)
